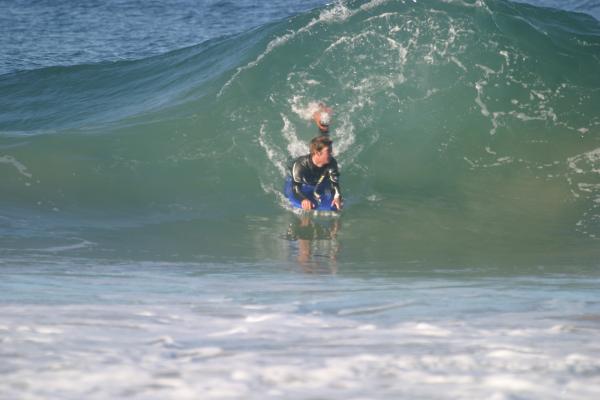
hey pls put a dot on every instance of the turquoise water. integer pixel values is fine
(144, 235)
(462, 129)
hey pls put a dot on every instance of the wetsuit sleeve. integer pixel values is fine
(334, 178)
(297, 182)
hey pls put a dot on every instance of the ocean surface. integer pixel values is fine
(147, 250)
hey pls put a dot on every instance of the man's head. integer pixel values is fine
(321, 149)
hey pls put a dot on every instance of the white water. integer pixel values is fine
(189, 331)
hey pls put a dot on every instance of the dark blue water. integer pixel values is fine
(46, 33)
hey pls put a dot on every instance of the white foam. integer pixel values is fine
(234, 331)
(431, 330)
(15, 163)
(457, 62)
(479, 87)
(487, 70)
(48, 330)
(274, 155)
(304, 108)
(510, 383)
(260, 318)
(538, 95)
(584, 171)
(372, 4)
(338, 13)
(247, 351)
(75, 246)
(295, 146)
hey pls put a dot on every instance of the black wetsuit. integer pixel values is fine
(305, 172)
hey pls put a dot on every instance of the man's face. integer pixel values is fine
(322, 157)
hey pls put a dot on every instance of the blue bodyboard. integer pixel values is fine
(324, 191)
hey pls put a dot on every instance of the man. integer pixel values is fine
(317, 171)
(322, 118)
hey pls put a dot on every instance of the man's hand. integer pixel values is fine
(337, 202)
(307, 205)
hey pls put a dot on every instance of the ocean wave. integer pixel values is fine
(486, 104)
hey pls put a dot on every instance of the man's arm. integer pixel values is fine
(297, 182)
(334, 178)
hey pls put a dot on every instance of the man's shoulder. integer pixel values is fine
(299, 163)
(302, 159)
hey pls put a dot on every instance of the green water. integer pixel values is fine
(466, 132)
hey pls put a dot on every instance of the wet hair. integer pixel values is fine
(319, 143)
